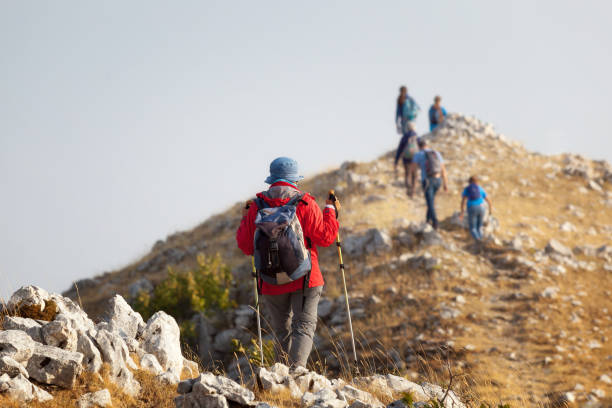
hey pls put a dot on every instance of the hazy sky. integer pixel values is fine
(122, 122)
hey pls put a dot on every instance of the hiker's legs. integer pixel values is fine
(303, 325)
(425, 185)
(432, 187)
(279, 308)
(406, 175)
(475, 219)
(473, 222)
(479, 220)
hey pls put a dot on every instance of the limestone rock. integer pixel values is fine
(20, 389)
(12, 367)
(161, 337)
(32, 301)
(96, 399)
(208, 384)
(16, 344)
(352, 394)
(92, 359)
(122, 319)
(59, 333)
(30, 326)
(149, 363)
(555, 247)
(115, 352)
(52, 365)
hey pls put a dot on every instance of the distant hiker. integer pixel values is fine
(433, 174)
(287, 264)
(406, 149)
(436, 113)
(475, 197)
(406, 111)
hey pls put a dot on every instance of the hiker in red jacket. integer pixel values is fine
(292, 306)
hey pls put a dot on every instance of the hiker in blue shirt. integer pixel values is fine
(406, 111)
(406, 149)
(433, 174)
(436, 114)
(475, 197)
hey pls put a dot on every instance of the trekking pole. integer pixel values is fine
(257, 309)
(256, 290)
(332, 197)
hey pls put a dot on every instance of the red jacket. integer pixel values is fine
(320, 226)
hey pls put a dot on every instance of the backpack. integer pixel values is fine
(473, 192)
(432, 163)
(411, 109)
(280, 252)
(411, 147)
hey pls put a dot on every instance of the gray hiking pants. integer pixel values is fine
(293, 326)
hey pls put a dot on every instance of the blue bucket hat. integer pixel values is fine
(283, 168)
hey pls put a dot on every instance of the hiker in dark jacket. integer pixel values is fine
(406, 149)
(433, 175)
(436, 114)
(474, 196)
(293, 309)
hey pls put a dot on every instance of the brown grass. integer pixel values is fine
(152, 395)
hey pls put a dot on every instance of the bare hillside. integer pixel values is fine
(525, 321)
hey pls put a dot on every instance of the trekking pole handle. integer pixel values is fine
(332, 197)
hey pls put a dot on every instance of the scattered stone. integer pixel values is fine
(555, 247)
(12, 367)
(96, 399)
(115, 352)
(149, 363)
(20, 389)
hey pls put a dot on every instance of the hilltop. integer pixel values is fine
(526, 321)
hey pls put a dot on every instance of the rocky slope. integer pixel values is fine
(524, 320)
(48, 343)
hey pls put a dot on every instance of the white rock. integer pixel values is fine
(96, 399)
(605, 379)
(435, 391)
(92, 359)
(149, 363)
(550, 292)
(122, 319)
(351, 394)
(208, 383)
(16, 344)
(20, 389)
(115, 352)
(30, 326)
(555, 247)
(169, 378)
(161, 337)
(28, 296)
(59, 333)
(52, 365)
(12, 367)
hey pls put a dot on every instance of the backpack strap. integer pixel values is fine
(260, 203)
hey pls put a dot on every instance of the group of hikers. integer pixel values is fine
(283, 226)
(417, 155)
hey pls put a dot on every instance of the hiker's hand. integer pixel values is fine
(445, 188)
(336, 203)
(245, 210)
(461, 216)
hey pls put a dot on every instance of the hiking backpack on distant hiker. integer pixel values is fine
(411, 147)
(473, 192)
(432, 163)
(410, 109)
(280, 251)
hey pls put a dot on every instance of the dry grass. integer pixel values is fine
(153, 394)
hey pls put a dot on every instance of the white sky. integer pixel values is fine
(122, 122)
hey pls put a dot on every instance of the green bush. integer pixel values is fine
(183, 294)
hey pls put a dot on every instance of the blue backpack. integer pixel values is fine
(410, 109)
(280, 251)
(473, 192)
